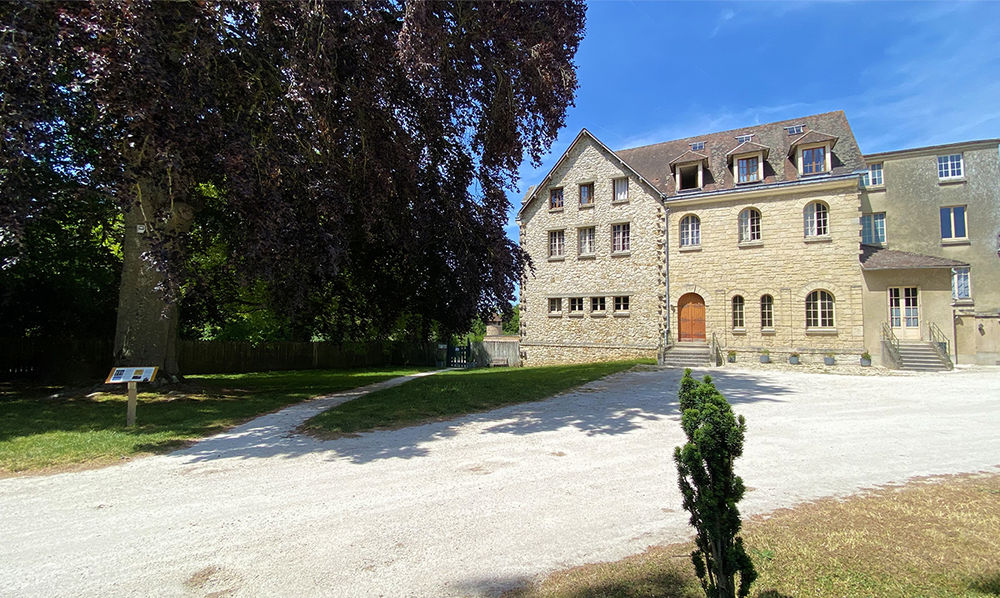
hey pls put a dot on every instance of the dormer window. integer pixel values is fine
(697, 146)
(744, 138)
(748, 169)
(690, 176)
(747, 161)
(813, 152)
(814, 160)
(794, 130)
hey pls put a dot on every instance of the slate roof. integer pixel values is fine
(877, 258)
(653, 161)
(688, 156)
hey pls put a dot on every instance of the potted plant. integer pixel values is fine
(731, 357)
(828, 359)
(793, 358)
(866, 359)
(765, 356)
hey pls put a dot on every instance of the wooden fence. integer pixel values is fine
(65, 360)
(488, 352)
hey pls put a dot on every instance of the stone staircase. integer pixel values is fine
(920, 356)
(687, 355)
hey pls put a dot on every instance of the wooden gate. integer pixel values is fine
(691, 318)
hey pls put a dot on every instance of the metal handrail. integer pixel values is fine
(937, 340)
(890, 341)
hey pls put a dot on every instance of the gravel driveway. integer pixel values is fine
(475, 505)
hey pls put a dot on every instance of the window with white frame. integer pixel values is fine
(816, 218)
(690, 231)
(950, 167)
(953, 223)
(557, 243)
(697, 146)
(749, 225)
(814, 160)
(587, 194)
(621, 303)
(961, 286)
(872, 178)
(819, 310)
(620, 189)
(794, 130)
(766, 312)
(555, 305)
(576, 305)
(555, 198)
(620, 238)
(586, 238)
(744, 138)
(738, 321)
(873, 228)
(597, 304)
(747, 169)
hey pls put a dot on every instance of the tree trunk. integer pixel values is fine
(146, 333)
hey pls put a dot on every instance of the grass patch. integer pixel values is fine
(929, 538)
(47, 428)
(455, 393)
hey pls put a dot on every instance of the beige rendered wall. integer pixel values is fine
(934, 302)
(978, 339)
(640, 274)
(785, 264)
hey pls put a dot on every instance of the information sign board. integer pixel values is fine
(134, 374)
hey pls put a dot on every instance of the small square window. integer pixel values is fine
(744, 138)
(621, 303)
(587, 194)
(555, 305)
(586, 236)
(794, 129)
(950, 167)
(557, 243)
(697, 146)
(620, 238)
(620, 190)
(597, 304)
(872, 178)
(576, 304)
(555, 198)
(953, 221)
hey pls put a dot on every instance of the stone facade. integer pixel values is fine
(784, 263)
(639, 273)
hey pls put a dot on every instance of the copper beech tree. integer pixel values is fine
(346, 154)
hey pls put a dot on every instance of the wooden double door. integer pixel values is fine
(691, 318)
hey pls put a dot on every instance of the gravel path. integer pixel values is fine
(475, 505)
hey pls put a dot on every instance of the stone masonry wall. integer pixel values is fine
(639, 274)
(784, 264)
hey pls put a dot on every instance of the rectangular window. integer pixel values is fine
(794, 129)
(555, 198)
(557, 243)
(586, 240)
(814, 160)
(621, 303)
(597, 304)
(621, 189)
(873, 228)
(766, 312)
(747, 170)
(961, 287)
(587, 194)
(873, 177)
(576, 305)
(555, 305)
(697, 146)
(744, 138)
(950, 167)
(953, 223)
(620, 238)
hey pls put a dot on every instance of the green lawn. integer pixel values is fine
(455, 393)
(39, 432)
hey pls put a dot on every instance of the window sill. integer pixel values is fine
(818, 239)
(621, 253)
(586, 206)
(598, 314)
(555, 315)
(747, 244)
(621, 314)
(874, 188)
(954, 181)
(619, 202)
(767, 331)
(821, 332)
(691, 190)
(812, 174)
(576, 315)
(557, 258)
(690, 248)
(739, 331)
(743, 183)
(950, 242)
(553, 210)
(586, 256)
(962, 303)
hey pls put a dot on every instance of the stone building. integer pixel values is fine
(779, 238)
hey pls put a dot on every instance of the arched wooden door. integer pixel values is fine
(691, 318)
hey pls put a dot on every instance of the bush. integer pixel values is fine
(711, 489)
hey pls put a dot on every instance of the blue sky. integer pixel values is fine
(906, 74)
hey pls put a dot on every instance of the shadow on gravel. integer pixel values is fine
(615, 405)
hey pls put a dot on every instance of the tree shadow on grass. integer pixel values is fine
(988, 584)
(615, 405)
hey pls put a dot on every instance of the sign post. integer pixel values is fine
(133, 376)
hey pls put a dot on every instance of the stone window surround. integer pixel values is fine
(555, 301)
(586, 185)
(738, 313)
(812, 225)
(693, 237)
(621, 313)
(746, 229)
(552, 245)
(627, 237)
(553, 192)
(614, 190)
(819, 317)
(581, 254)
(827, 157)
(767, 313)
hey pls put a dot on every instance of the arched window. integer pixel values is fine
(817, 219)
(749, 225)
(766, 311)
(738, 321)
(819, 310)
(690, 231)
